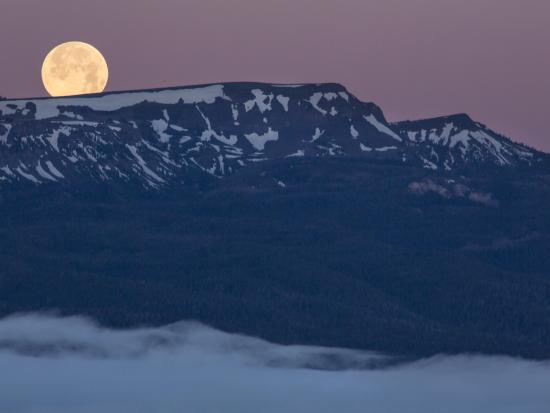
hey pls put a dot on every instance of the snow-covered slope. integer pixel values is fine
(158, 138)
(457, 141)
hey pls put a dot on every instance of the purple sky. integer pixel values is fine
(415, 58)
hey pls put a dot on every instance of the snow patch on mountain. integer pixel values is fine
(141, 162)
(318, 133)
(4, 135)
(316, 98)
(259, 141)
(50, 108)
(160, 126)
(26, 175)
(261, 100)
(53, 170)
(54, 137)
(381, 127)
(42, 172)
(283, 100)
(298, 154)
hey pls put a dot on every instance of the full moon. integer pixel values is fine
(74, 68)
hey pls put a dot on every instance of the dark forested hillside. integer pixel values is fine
(333, 251)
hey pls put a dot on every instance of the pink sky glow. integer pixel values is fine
(414, 58)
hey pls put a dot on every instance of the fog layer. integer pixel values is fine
(70, 365)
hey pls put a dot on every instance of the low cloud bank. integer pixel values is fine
(70, 365)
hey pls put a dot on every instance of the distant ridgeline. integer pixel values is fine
(159, 138)
(293, 212)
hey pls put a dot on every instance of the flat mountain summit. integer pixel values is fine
(296, 213)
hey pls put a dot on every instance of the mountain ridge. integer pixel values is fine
(162, 135)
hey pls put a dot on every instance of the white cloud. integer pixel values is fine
(67, 365)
